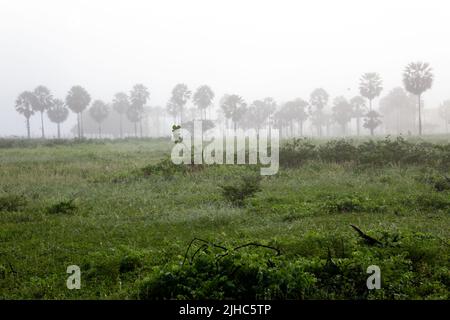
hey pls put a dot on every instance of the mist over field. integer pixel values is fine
(256, 49)
(125, 172)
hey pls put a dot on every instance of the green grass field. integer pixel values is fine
(89, 204)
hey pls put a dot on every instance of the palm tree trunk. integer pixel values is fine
(358, 122)
(301, 128)
(135, 129)
(42, 124)
(99, 130)
(140, 127)
(78, 125)
(420, 118)
(59, 130)
(28, 128)
(81, 125)
(121, 132)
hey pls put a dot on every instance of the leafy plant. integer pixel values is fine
(246, 187)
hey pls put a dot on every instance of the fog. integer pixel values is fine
(256, 49)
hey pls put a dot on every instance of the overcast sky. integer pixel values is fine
(277, 48)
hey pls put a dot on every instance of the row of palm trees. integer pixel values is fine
(417, 78)
(77, 100)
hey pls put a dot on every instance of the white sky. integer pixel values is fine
(277, 48)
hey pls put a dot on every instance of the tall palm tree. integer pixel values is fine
(24, 106)
(418, 78)
(42, 103)
(120, 104)
(317, 102)
(139, 96)
(180, 96)
(203, 98)
(99, 112)
(77, 100)
(234, 107)
(358, 109)
(58, 113)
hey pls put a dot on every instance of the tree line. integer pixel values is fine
(289, 117)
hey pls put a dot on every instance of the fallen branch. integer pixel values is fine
(371, 241)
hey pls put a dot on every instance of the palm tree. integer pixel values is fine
(444, 112)
(24, 106)
(370, 86)
(203, 98)
(295, 111)
(234, 107)
(342, 112)
(121, 104)
(180, 96)
(139, 96)
(317, 102)
(58, 113)
(77, 100)
(134, 114)
(359, 109)
(42, 103)
(99, 112)
(418, 78)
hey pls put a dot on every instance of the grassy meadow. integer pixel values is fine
(127, 217)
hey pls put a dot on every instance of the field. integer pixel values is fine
(126, 217)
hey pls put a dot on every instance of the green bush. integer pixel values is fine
(245, 187)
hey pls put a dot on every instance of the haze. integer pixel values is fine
(282, 49)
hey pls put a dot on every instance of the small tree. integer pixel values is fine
(418, 78)
(24, 106)
(58, 113)
(120, 104)
(99, 112)
(42, 103)
(370, 87)
(372, 121)
(77, 100)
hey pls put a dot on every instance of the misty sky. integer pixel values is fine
(278, 48)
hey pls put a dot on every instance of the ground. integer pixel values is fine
(91, 204)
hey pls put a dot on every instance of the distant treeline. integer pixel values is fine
(400, 110)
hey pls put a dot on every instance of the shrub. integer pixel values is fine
(246, 187)
(12, 202)
(62, 207)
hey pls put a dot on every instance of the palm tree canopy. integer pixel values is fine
(77, 99)
(58, 112)
(99, 111)
(359, 107)
(319, 99)
(25, 102)
(203, 97)
(295, 110)
(418, 77)
(180, 94)
(43, 99)
(139, 95)
(121, 103)
(233, 106)
(370, 85)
